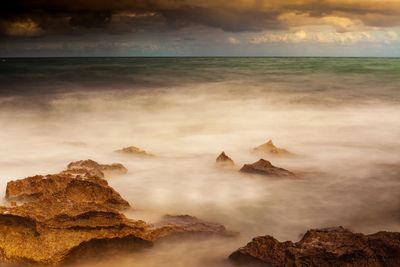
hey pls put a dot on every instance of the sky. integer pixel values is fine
(35, 28)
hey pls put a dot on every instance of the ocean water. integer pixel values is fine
(340, 115)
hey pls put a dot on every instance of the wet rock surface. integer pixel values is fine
(95, 169)
(133, 150)
(264, 167)
(68, 217)
(323, 247)
(176, 226)
(65, 186)
(224, 160)
(270, 149)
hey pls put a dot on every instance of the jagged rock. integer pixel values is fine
(264, 167)
(270, 149)
(176, 226)
(65, 186)
(224, 160)
(64, 218)
(96, 169)
(328, 247)
(133, 150)
(31, 234)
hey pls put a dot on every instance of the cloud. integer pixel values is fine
(393, 36)
(23, 27)
(233, 40)
(80, 16)
(325, 37)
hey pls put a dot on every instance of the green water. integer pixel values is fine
(361, 77)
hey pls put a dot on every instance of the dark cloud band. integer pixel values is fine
(41, 17)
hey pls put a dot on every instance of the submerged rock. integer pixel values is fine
(177, 226)
(224, 160)
(69, 217)
(264, 167)
(270, 149)
(329, 247)
(96, 169)
(133, 150)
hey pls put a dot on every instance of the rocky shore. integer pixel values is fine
(74, 215)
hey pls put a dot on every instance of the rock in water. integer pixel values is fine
(67, 188)
(133, 150)
(224, 160)
(61, 217)
(31, 234)
(329, 247)
(96, 169)
(270, 149)
(264, 167)
(72, 216)
(176, 226)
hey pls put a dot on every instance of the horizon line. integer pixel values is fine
(61, 57)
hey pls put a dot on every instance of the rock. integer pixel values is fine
(177, 226)
(224, 160)
(64, 217)
(270, 149)
(96, 169)
(264, 167)
(42, 233)
(65, 187)
(68, 217)
(132, 150)
(323, 248)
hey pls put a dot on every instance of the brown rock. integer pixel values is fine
(323, 248)
(133, 150)
(264, 167)
(44, 233)
(224, 160)
(177, 226)
(31, 235)
(64, 218)
(95, 169)
(270, 149)
(65, 186)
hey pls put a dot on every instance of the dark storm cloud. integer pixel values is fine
(227, 19)
(41, 17)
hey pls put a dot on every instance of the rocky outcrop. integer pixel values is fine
(96, 169)
(46, 233)
(74, 215)
(329, 247)
(264, 167)
(67, 188)
(133, 150)
(270, 149)
(224, 160)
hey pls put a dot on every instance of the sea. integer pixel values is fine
(339, 116)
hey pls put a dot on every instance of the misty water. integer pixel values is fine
(340, 116)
